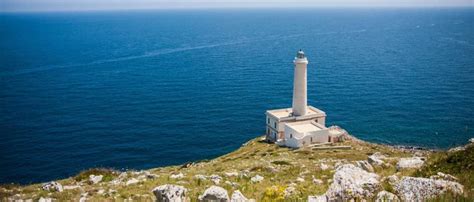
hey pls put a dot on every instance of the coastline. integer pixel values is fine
(258, 170)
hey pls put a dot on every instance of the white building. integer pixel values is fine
(301, 125)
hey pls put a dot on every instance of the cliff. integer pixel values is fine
(266, 172)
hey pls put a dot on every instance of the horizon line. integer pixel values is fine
(237, 8)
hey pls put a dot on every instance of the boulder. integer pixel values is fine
(317, 181)
(443, 176)
(376, 159)
(216, 179)
(71, 187)
(231, 174)
(300, 179)
(200, 177)
(214, 194)
(321, 198)
(52, 186)
(256, 178)
(170, 193)
(420, 189)
(351, 182)
(385, 196)
(392, 180)
(413, 162)
(94, 179)
(237, 196)
(365, 165)
(471, 140)
(45, 199)
(324, 166)
(131, 181)
(289, 191)
(177, 176)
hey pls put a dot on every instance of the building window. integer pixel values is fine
(311, 139)
(268, 120)
(291, 135)
(275, 124)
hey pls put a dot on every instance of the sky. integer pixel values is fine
(65, 5)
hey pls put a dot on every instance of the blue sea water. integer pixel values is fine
(141, 89)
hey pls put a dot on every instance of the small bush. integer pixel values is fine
(108, 174)
(281, 163)
(274, 193)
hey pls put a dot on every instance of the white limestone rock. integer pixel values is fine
(214, 194)
(413, 162)
(444, 176)
(289, 191)
(300, 179)
(71, 187)
(321, 198)
(385, 196)
(52, 186)
(170, 193)
(420, 189)
(256, 178)
(45, 199)
(317, 181)
(392, 180)
(324, 166)
(216, 179)
(231, 174)
(200, 177)
(351, 182)
(376, 159)
(177, 176)
(471, 140)
(131, 181)
(365, 165)
(237, 196)
(94, 179)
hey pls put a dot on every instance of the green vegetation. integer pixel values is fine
(108, 174)
(281, 168)
(457, 163)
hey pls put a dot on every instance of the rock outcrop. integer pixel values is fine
(365, 165)
(256, 178)
(420, 189)
(413, 162)
(170, 193)
(237, 196)
(52, 186)
(351, 182)
(216, 179)
(214, 194)
(385, 196)
(94, 179)
(376, 159)
(177, 176)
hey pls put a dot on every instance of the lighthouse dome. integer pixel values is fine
(300, 54)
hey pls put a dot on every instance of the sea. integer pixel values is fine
(148, 88)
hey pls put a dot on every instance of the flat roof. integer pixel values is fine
(287, 112)
(305, 126)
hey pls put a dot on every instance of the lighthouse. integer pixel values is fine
(300, 101)
(301, 124)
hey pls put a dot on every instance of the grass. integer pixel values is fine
(108, 174)
(279, 166)
(459, 164)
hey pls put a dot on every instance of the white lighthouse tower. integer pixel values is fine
(300, 98)
(301, 125)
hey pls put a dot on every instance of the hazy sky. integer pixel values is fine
(52, 5)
